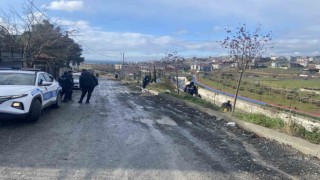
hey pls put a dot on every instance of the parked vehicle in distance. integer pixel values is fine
(76, 80)
(24, 93)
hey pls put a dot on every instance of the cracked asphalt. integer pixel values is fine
(126, 134)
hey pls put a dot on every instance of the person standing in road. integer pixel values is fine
(66, 83)
(87, 84)
(70, 86)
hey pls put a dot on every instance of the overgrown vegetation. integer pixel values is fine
(312, 136)
(276, 123)
(261, 119)
(195, 100)
(164, 86)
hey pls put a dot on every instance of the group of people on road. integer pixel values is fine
(87, 83)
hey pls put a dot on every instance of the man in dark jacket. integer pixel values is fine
(191, 89)
(226, 106)
(70, 86)
(146, 81)
(87, 84)
(66, 83)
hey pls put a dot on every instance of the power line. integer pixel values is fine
(40, 11)
(72, 35)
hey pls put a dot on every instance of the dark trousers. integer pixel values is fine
(68, 95)
(67, 92)
(86, 90)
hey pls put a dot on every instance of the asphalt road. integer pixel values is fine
(126, 134)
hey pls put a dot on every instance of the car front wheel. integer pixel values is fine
(35, 111)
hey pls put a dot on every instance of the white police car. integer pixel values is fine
(23, 94)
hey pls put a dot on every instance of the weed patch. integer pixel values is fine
(275, 123)
(260, 119)
(312, 136)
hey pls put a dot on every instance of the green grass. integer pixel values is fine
(292, 84)
(278, 124)
(260, 119)
(313, 136)
(195, 100)
(267, 96)
(164, 86)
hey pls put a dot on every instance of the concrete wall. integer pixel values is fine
(245, 106)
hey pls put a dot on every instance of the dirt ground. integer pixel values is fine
(126, 134)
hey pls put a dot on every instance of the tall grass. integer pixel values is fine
(276, 123)
(260, 119)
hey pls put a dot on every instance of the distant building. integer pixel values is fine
(12, 58)
(304, 61)
(194, 67)
(206, 67)
(295, 65)
(293, 59)
(273, 58)
(118, 66)
(279, 62)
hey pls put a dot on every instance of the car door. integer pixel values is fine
(41, 82)
(52, 89)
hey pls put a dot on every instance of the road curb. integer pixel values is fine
(299, 144)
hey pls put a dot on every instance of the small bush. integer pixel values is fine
(163, 86)
(311, 136)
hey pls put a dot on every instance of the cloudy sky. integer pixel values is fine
(148, 29)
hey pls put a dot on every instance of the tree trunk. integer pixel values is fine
(177, 83)
(237, 91)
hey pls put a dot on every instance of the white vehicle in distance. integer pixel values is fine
(76, 80)
(23, 94)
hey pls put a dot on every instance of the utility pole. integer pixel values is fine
(177, 70)
(122, 67)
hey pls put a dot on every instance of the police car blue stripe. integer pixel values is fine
(35, 91)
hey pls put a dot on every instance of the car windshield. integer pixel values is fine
(17, 79)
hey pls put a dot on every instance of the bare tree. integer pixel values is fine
(36, 34)
(244, 47)
(9, 27)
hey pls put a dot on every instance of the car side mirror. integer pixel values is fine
(44, 83)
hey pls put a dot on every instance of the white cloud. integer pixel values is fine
(195, 26)
(100, 44)
(73, 5)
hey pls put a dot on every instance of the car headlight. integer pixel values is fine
(18, 105)
(6, 98)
